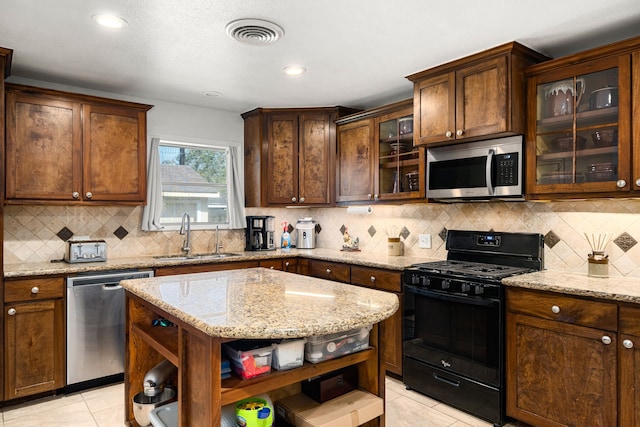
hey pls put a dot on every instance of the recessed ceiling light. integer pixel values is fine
(110, 21)
(294, 70)
(212, 93)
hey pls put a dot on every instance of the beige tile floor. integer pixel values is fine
(104, 407)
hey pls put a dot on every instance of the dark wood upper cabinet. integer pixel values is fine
(578, 145)
(68, 148)
(477, 97)
(376, 157)
(290, 156)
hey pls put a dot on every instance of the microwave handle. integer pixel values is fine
(488, 173)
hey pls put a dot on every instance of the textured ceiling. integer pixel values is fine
(357, 51)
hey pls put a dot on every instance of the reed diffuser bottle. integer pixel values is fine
(598, 261)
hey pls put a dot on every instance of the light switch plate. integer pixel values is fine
(424, 241)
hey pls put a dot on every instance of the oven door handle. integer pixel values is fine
(482, 302)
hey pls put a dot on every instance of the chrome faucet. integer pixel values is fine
(186, 244)
(218, 245)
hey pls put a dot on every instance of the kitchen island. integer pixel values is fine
(210, 309)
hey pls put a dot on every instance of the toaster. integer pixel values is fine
(85, 251)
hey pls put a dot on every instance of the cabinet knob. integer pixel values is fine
(369, 196)
(459, 132)
(11, 311)
(286, 263)
(301, 199)
(35, 290)
(293, 199)
(375, 197)
(75, 195)
(627, 344)
(89, 195)
(606, 339)
(448, 134)
(638, 182)
(621, 183)
(373, 279)
(328, 271)
(271, 268)
(555, 309)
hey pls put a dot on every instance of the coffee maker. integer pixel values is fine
(260, 234)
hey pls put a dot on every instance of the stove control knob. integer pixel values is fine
(479, 290)
(465, 288)
(414, 279)
(446, 283)
(425, 281)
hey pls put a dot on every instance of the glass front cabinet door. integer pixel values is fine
(578, 137)
(400, 173)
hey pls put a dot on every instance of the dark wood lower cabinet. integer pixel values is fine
(34, 336)
(562, 365)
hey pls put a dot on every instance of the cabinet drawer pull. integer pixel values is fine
(328, 271)
(555, 309)
(35, 290)
(627, 344)
(286, 264)
(606, 339)
(621, 183)
(369, 196)
(448, 134)
(11, 312)
(459, 132)
(293, 199)
(638, 182)
(271, 268)
(75, 194)
(301, 199)
(89, 194)
(373, 278)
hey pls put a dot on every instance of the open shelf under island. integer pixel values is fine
(209, 309)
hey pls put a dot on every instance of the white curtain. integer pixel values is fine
(236, 191)
(153, 210)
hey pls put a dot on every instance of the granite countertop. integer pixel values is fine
(357, 258)
(262, 303)
(625, 289)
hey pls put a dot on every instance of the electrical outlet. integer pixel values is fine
(424, 241)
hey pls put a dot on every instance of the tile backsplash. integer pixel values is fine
(30, 232)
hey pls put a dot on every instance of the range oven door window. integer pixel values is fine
(456, 333)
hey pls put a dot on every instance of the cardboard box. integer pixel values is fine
(349, 410)
(331, 385)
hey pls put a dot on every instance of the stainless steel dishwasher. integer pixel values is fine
(95, 328)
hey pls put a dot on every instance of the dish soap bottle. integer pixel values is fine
(285, 240)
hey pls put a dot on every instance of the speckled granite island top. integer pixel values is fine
(263, 303)
(626, 289)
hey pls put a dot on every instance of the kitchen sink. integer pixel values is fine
(195, 257)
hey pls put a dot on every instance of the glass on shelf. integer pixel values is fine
(397, 156)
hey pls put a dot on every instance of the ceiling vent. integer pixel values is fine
(254, 31)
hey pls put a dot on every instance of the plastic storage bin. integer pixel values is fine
(250, 358)
(288, 354)
(323, 347)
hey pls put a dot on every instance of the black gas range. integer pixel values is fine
(453, 346)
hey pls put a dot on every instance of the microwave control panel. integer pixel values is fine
(506, 169)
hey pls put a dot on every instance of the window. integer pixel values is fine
(197, 179)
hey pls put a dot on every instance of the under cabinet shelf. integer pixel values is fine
(400, 163)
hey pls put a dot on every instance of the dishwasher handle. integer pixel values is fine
(111, 286)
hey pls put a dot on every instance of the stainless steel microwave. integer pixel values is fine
(481, 170)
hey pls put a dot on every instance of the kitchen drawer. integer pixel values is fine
(377, 278)
(629, 320)
(330, 271)
(563, 308)
(33, 289)
(273, 264)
